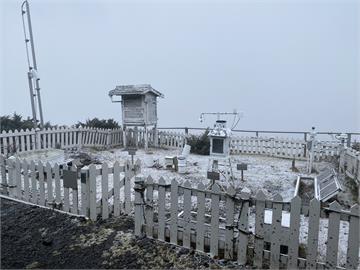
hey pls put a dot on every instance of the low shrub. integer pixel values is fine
(200, 144)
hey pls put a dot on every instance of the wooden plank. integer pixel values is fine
(75, 195)
(116, 179)
(229, 233)
(105, 191)
(18, 189)
(149, 210)
(4, 181)
(333, 236)
(214, 242)
(22, 143)
(25, 168)
(294, 232)
(66, 205)
(352, 258)
(200, 218)
(174, 212)
(57, 183)
(161, 215)
(92, 196)
(187, 215)
(243, 229)
(139, 204)
(41, 183)
(127, 187)
(259, 230)
(34, 189)
(313, 234)
(49, 181)
(85, 190)
(275, 232)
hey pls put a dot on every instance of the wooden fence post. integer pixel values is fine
(149, 211)
(352, 258)
(275, 232)
(333, 235)
(313, 234)
(161, 216)
(243, 228)
(4, 181)
(139, 189)
(259, 230)
(92, 194)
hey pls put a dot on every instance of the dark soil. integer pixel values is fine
(33, 237)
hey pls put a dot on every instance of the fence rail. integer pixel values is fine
(219, 223)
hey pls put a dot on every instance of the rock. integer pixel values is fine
(47, 242)
(182, 251)
(33, 265)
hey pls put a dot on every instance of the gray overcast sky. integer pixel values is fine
(287, 64)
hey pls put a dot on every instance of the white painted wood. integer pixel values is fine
(294, 233)
(4, 181)
(49, 181)
(66, 205)
(127, 187)
(22, 143)
(18, 189)
(174, 212)
(352, 258)
(229, 233)
(41, 183)
(75, 195)
(161, 215)
(149, 210)
(105, 191)
(92, 195)
(25, 169)
(187, 215)
(139, 204)
(28, 145)
(333, 235)
(34, 188)
(214, 241)
(313, 234)
(200, 217)
(57, 183)
(116, 179)
(275, 232)
(243, 229)
(259, 230)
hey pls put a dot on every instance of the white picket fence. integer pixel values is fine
(101, 190)
(30, 140)
(64, 138)
(283, 147)
(218, 223)
(350, 164)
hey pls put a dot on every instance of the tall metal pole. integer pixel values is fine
(34, 64)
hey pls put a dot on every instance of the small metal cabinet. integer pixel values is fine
(220, 138)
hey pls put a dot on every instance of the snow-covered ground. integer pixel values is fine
(272, 175)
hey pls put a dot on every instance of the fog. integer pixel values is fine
(288, 65)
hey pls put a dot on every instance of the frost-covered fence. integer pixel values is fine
(283, 147)
(104, 190)
(64, 138)
(350, 163)
(251, 230)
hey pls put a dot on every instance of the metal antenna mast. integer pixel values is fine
(33, 77)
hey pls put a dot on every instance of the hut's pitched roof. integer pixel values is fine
(138, 89)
